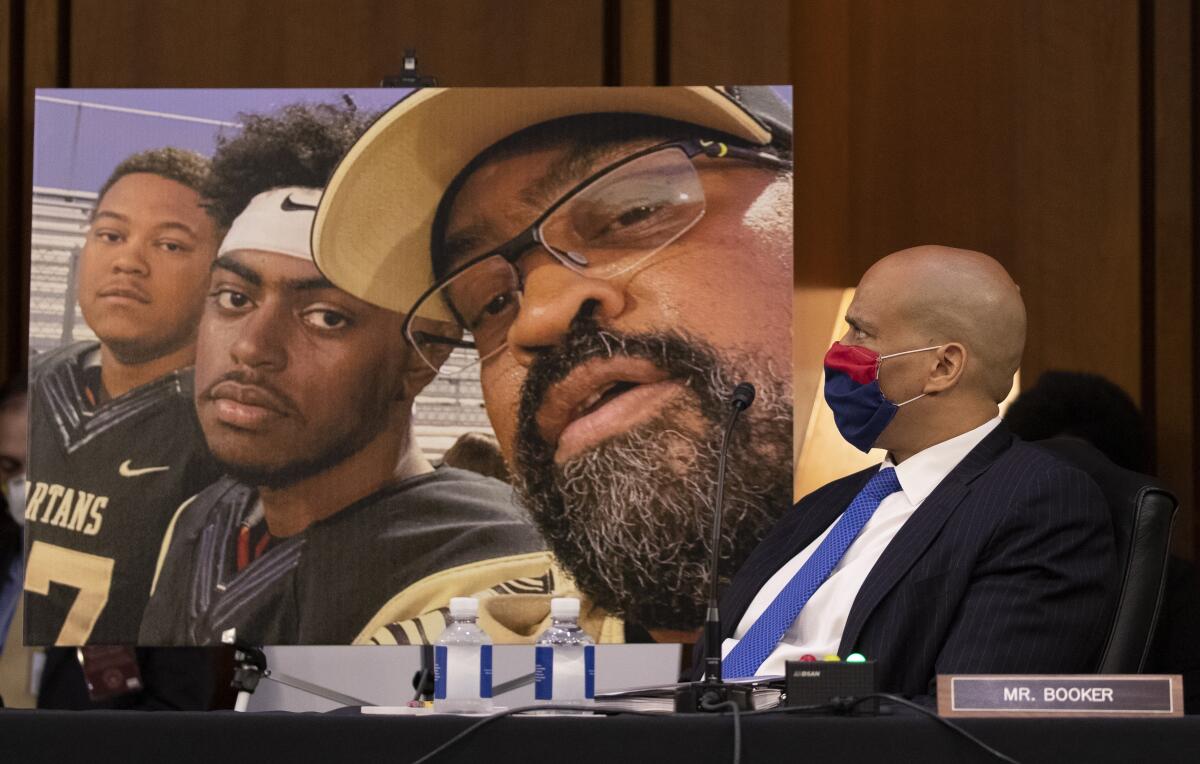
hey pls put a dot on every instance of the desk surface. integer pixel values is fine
(219, 737)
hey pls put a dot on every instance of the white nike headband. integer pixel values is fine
(279, 220)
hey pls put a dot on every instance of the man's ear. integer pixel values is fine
(420, 368)
(949, 362)
(416, 373)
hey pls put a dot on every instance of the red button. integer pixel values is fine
(812, 658)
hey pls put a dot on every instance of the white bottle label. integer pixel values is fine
(462, 672)
(564, 673)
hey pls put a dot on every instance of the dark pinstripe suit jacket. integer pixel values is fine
(1008, 566)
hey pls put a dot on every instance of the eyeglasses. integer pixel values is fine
(606, 225)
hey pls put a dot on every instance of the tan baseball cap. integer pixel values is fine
(371, 236)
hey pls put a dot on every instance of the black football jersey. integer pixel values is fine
(442, 532)
(104, 482)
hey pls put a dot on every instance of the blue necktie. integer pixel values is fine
(760, 640)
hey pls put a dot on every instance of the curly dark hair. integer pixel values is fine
(1086, 406)
(16, 384)
(179, 165)
(299, 145)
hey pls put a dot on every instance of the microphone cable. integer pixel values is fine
(597, 709)
(845, 705)
(737, 725)
(839, 705)
(941, 720)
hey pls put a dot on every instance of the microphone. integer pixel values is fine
(703, 696)
(740, 400)
(743, 396)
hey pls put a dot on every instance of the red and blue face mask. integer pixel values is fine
(860, 410)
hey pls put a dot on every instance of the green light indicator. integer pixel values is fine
(855, 658)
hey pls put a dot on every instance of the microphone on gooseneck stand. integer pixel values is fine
(743, 396)
(713, 692)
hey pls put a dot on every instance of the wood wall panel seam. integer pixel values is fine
(1147, 223)
(1194, 89)
(13, 214)
(1174, 296)
(612, 40)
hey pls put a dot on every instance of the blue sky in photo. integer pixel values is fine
(76, 147)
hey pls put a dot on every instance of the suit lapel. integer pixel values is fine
(919, 532)
(820, 515)
(808, 519)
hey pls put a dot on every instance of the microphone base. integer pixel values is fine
(692, 698)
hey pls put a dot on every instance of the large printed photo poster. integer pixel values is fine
(306, 364)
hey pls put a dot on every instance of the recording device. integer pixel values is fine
(705, 695)
(423, 679)
(408, 77)
(817, 683)
(250, 667)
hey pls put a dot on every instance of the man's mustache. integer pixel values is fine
(251, 378)
(629, 517)
(584, 341)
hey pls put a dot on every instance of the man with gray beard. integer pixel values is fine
(616, 260)
(630, 517)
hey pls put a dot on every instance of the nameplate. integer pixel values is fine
(1061, 695)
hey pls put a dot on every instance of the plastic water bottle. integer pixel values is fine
(565, 656)
(462, 662)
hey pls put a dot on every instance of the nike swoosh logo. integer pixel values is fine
(126, 470)
(289, 206)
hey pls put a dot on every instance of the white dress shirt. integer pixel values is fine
(818, 629)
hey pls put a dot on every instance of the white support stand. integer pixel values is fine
(251, 668)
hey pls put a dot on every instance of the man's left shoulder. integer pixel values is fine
(460, 514)
(1022, 462)
(1029, 475)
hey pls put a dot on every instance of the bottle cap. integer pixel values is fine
(856, 658)
(464, 607)
(564, 607)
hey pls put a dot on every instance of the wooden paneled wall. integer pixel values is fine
(314, 43)
(978, 125)
(13, 148)
(1055, 135)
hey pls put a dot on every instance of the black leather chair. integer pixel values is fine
(1142, 513)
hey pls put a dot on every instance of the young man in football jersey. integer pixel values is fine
(114, 441)
(329, 523)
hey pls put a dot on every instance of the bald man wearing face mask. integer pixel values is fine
(967, 550)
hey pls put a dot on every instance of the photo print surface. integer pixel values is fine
(308, 363)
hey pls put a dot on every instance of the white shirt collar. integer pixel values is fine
(920, 473)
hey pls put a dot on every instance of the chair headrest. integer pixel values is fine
(1123, 489)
